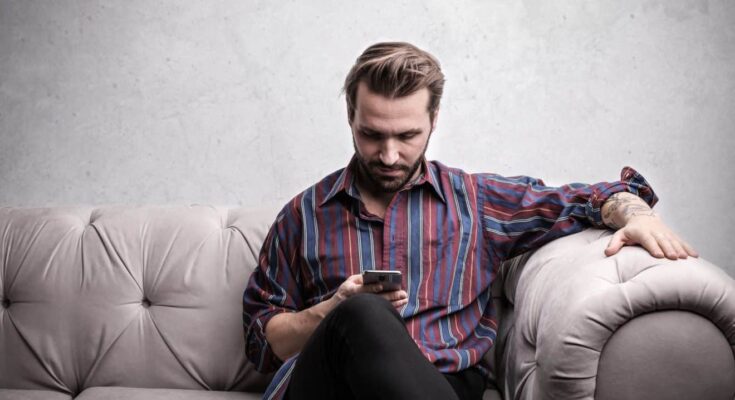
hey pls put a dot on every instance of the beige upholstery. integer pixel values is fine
(570, 300)
(20, 394)
(110, 302)
(627, 369)
(125, 393)
(126, 296)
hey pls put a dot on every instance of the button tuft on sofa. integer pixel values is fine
(6, 303)
(146, 303)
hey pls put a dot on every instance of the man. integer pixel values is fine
(306, 308)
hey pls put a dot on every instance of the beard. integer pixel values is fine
(376, 182)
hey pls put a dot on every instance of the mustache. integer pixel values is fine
(378, 164)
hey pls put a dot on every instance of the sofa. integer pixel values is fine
(144, 302)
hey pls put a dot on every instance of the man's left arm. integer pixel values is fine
(637, 223)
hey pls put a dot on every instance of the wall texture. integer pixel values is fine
(238, 103)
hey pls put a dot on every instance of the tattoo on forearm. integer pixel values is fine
(621, 207)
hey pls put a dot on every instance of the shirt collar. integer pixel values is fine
(345, 182)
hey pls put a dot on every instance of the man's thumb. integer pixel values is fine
(616, 243)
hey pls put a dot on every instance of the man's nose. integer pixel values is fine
(389, 153)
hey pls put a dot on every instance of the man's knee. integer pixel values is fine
(365, 324)
(361, 301)
(365, 309)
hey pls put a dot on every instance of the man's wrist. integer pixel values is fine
(621, 207)
(336, 298)
(320, 311)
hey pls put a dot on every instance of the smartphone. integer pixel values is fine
(391, 280)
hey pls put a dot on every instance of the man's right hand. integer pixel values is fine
(288, 332)
(354, 285)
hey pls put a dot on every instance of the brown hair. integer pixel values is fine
(395, 69)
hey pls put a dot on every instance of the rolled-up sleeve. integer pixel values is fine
(271, 289)
(521, 213)
(630, 181)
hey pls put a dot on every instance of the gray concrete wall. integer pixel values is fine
(238, 102)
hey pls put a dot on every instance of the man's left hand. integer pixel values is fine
(655, 236)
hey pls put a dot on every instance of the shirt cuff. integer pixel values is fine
(630, 181)
(257, 348)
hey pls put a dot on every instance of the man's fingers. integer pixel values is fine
(649, 243)
(668, 248)
(689, 250)
(616, 243)
(371, 288)
(680, 252)
(657, 239)
(395, 295)
(399, 303)
(398, 298)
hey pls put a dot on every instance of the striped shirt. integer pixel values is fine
(447, 232)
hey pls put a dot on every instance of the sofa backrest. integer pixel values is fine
(136, 296)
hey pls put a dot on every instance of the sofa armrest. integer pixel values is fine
(570, 299)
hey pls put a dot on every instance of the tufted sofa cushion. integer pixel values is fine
(18, 394)
(126, 296)
(125, 393)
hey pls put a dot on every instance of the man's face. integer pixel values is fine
(390, 138)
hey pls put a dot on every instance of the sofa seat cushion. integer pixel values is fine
(19, 394)
(491, 394)
(128, 393)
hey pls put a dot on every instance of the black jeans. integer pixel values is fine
(362, 350)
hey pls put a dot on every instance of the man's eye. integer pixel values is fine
(408, 136)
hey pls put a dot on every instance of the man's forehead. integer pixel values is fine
(373, 108)
(388, 130)
(390, 123)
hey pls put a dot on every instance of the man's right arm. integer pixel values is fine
(276, 320)
(273, 289)
(287, 333)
